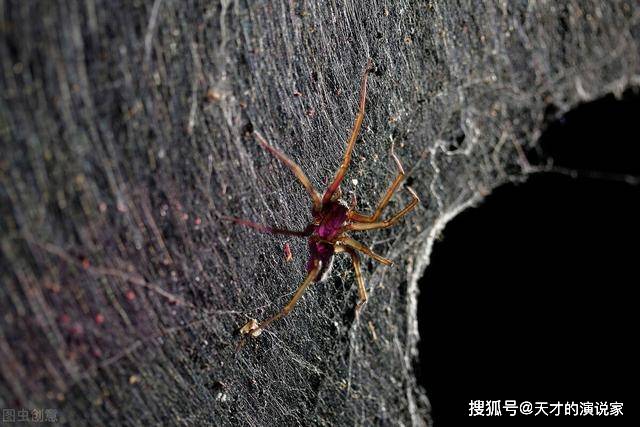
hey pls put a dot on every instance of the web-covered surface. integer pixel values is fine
(125, 136)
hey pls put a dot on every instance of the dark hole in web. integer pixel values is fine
(597, 136)
(529, 295)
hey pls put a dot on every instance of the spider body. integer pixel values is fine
(332, 220)
(330, 223)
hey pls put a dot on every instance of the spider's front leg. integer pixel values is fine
(342, 170)
(271, 230)
(295, 168)
(358, 217)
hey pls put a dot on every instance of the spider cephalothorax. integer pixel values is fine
(332, 219)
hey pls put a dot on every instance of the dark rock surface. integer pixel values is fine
(125, 137)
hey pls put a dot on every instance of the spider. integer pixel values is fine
(332, 219)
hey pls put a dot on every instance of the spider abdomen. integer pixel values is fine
(323, 253)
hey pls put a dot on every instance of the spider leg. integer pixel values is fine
(348, 241)
(271, 230)
(355, 259)
(295, 168)
(352, 139)
(362, 290)
(358, 217)
(287, 308)
(389, 222)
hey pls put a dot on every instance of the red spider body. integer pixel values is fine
(331, 220)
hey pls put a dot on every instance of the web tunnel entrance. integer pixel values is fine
(529, 296)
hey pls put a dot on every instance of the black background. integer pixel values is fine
(530, 295)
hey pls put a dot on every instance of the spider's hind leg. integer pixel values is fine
(357, 270)
(311, 276)
(353, 244)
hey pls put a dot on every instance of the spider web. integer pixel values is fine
(124, 135)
